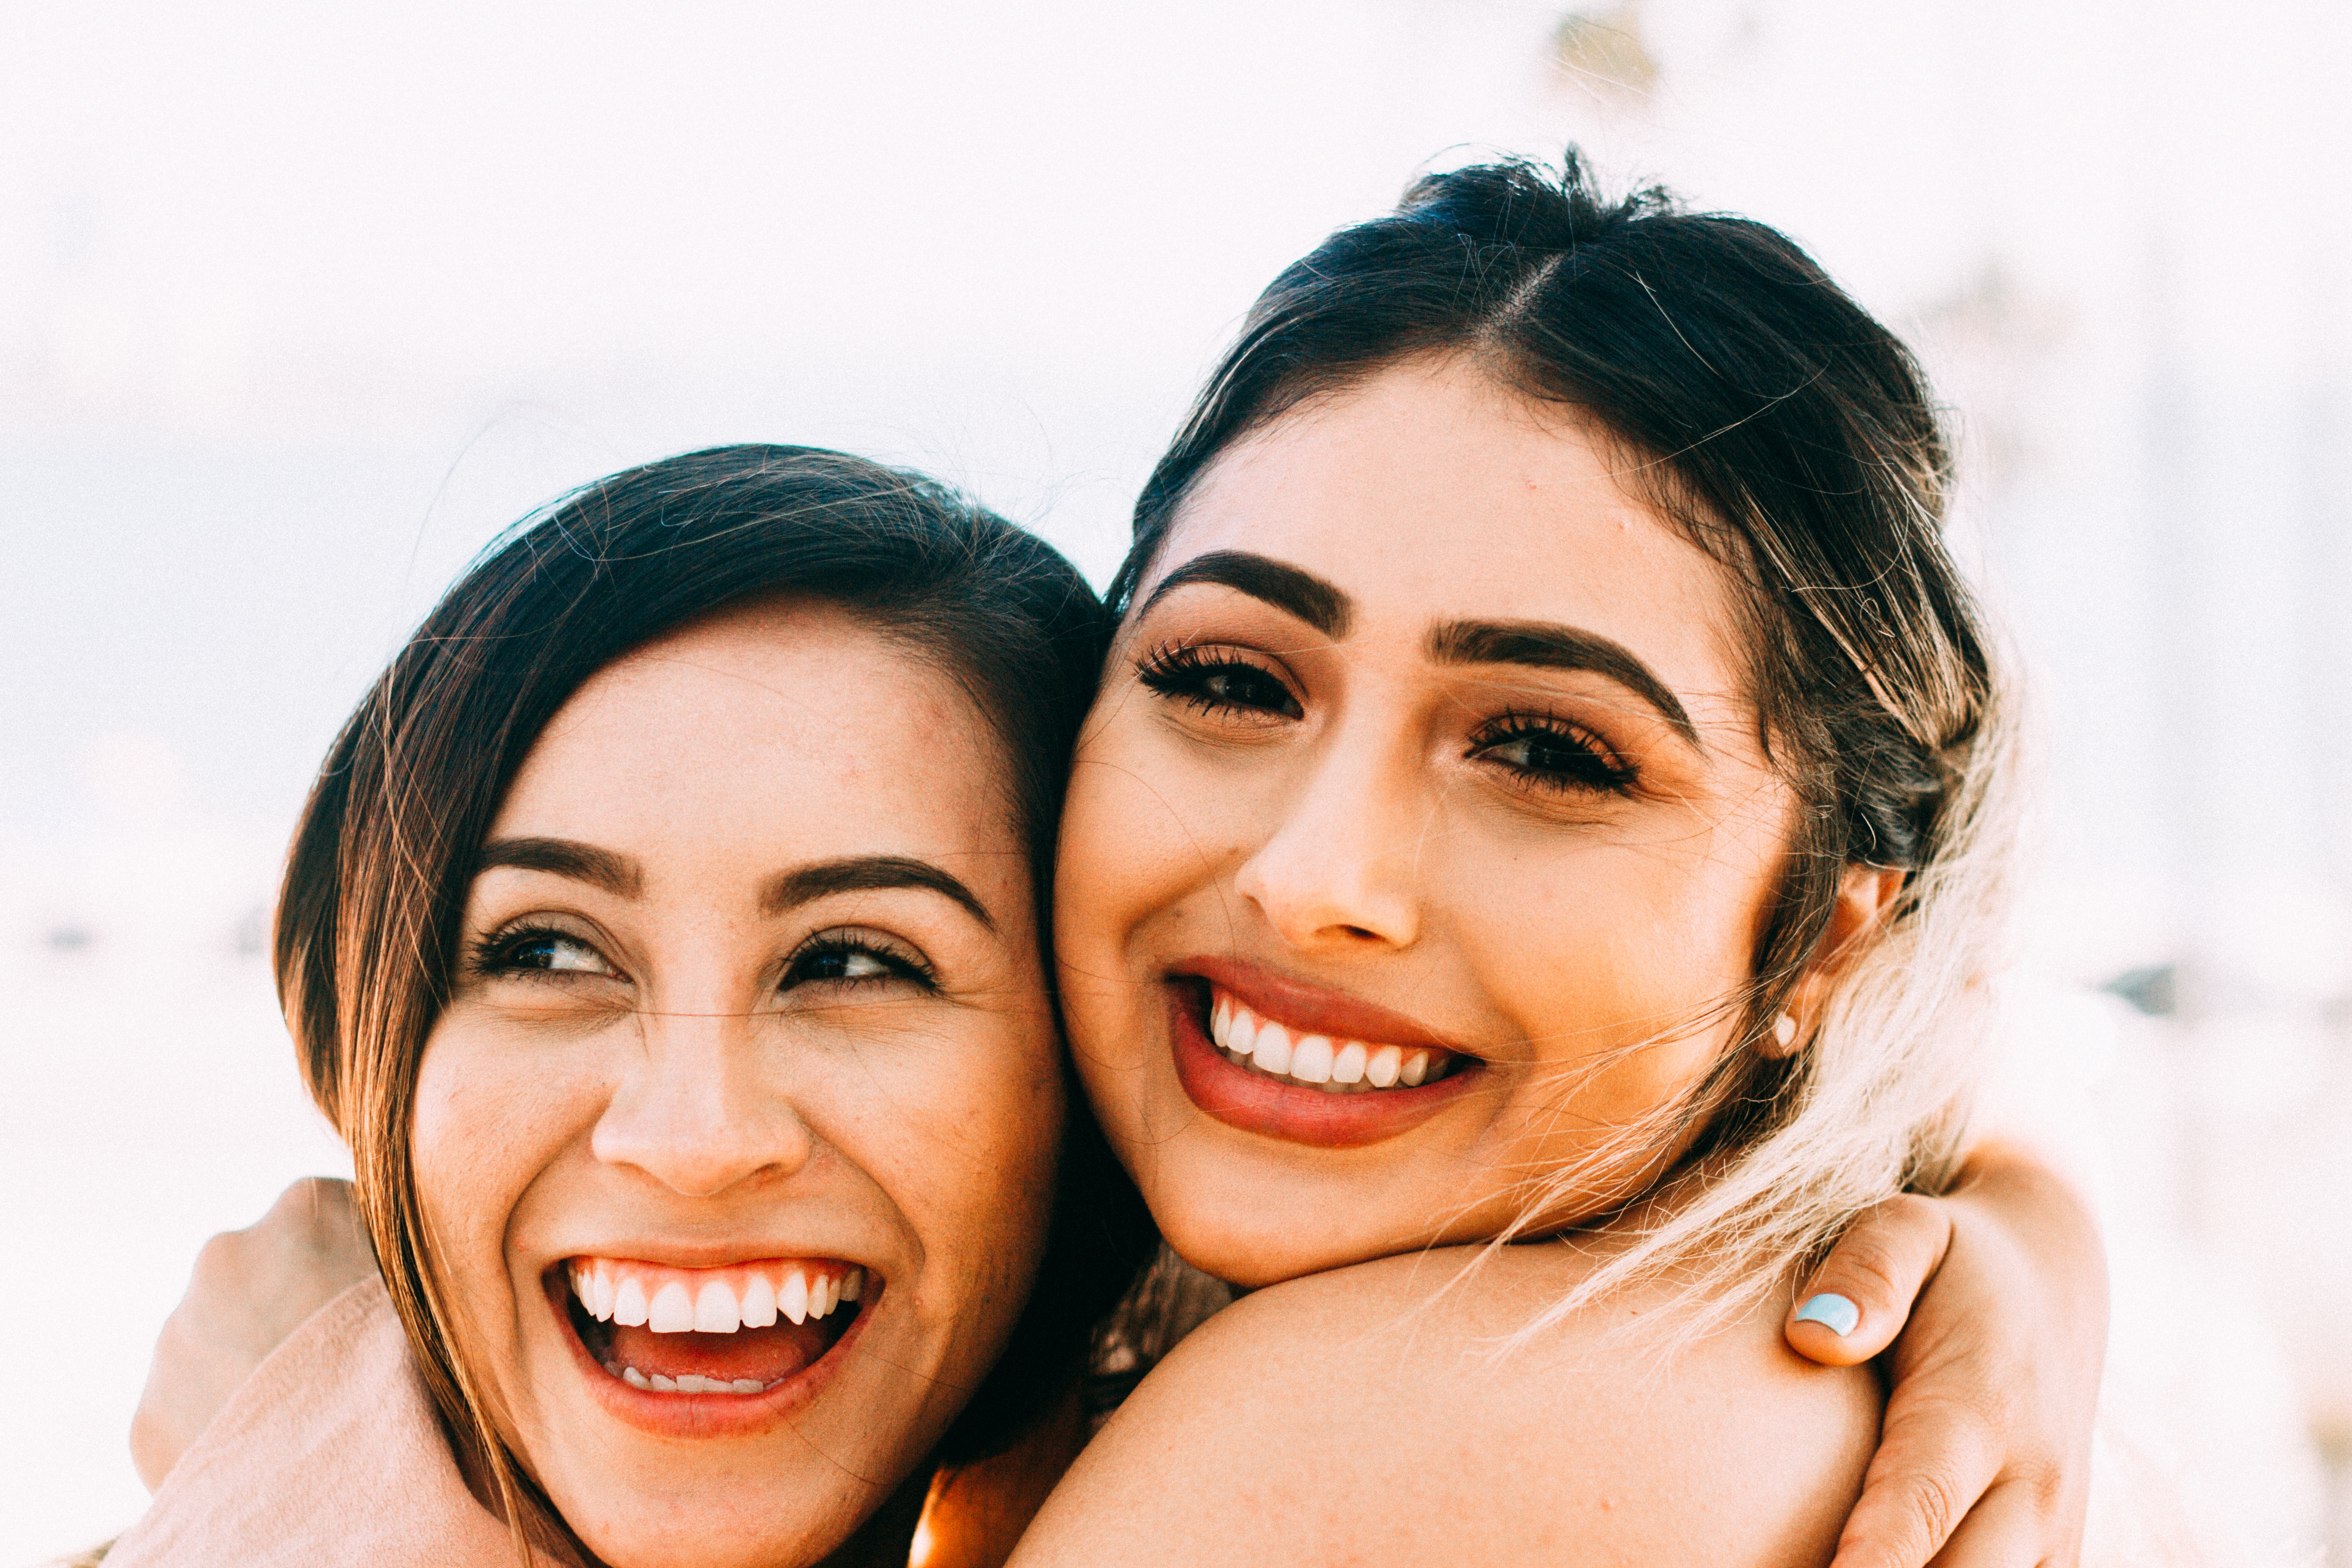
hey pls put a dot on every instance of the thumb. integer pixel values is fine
(1857, 1300)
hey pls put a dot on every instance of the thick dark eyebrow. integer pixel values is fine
(1287, 588)
(863, 873)
(1546, 645)
(616, 874)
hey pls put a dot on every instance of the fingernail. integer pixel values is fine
(1833, 1312)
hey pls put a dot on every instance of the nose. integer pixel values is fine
(1340, 872)
(695, 1111)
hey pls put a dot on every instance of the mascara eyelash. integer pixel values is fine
(1178, 671)
(1616, 773)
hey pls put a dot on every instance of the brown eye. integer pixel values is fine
(1217, 683)
(545, 952)
(1552, 755)
(849, 960)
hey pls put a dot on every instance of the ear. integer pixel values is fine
(1864, 895)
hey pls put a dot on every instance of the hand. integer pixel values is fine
(1984, 1459)
(250, 1289)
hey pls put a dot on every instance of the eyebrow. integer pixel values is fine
(621, 877)
(616, 874)
(1544, 645)
(865, 873)
(1287, 588)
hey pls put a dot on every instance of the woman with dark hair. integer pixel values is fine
(1550, 784)
(687, 1021)
(1547, 787)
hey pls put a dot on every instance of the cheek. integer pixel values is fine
(1637, 942)
(487, 1122)
(1143, 826)
(967, 1154)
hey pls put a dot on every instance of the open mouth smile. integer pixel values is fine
(709, 1339)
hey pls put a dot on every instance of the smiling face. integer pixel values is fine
(1421, 840)
(736, 1141)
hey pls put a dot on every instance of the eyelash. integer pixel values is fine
(1187, 674)
(841, 944)
(500, 953)
(1596, 768)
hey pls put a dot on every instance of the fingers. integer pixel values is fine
(1934, 1463)
(2009, 1528)
(249, 1289)
(1859, 1298)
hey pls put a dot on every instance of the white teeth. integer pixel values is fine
(685, 1383)
(1273, 1052)
(1310, 1060)
(715, 1312)
(794, 1301)
(1335, 1066)
(1241, 1036)
(712, 1307)
(672, 1312)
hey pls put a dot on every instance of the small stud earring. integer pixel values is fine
(1784, 1029)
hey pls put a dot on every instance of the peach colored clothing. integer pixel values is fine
(330, 1455)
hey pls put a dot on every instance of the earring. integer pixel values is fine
(1784, 1030)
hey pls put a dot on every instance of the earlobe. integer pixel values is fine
(1865, 896)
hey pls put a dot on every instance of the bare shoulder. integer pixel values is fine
(1369, 1416)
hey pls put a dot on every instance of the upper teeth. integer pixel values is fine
(1336, 1067)
(711, 1300)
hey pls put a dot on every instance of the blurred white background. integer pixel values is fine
(298, 305)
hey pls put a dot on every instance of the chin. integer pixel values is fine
(668, 1511)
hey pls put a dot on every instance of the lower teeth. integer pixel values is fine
(687, 1382)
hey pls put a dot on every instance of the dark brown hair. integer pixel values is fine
(367, 923)
(1773, 419)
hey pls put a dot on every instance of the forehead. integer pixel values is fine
(775, 732)
(1431, 491)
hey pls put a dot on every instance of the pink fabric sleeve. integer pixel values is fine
(331, 1455)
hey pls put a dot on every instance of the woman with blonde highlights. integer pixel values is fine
(1551, 786)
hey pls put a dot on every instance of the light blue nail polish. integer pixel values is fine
(1833, 1312)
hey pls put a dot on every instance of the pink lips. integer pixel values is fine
(1295, 1112)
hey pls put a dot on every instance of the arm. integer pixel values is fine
(1366, 1417)
(250, 1289)
(1995, 1374)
